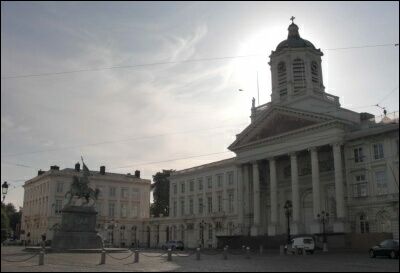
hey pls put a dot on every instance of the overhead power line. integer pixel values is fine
(122, 140)
(169, 62)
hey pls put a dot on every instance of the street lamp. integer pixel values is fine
(4, 189)
(323, 217)
(288, 213)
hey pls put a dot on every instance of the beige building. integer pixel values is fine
(123, 203)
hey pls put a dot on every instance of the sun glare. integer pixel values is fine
(245, 70)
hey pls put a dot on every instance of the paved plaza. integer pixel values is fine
(186, 261)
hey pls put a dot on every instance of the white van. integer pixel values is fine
(301, 244)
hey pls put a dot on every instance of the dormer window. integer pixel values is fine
(282, 79)
(299, 78)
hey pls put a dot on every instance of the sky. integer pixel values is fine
(73, 81)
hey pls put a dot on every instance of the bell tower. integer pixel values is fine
(295, 68)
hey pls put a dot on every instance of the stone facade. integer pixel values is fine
(122, 205)
(303, 147)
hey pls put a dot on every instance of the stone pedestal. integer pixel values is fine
(77, 229)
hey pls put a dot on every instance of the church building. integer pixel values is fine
(301, 149)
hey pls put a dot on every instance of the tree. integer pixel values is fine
(13, 217)
(160, 189)
(5, 223)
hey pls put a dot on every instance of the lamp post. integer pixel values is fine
(323, 217)
(4, 190)
(288, 213)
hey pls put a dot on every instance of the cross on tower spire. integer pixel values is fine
(292, 18)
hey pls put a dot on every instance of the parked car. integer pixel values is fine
(301, 244)
(388, 248)
(173, 245)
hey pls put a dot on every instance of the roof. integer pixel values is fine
(294, 40)
(220, 163)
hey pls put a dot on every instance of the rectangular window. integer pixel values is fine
(124, 193)
(175, 189)
(135, 194)
(358, 155)
(360, 187)
(111, 209)
(378, 151)
(200, 205)
(219, 180)
(123, 210)
(58, 206)
(135, 211)
(112, 191)
(209, 204)
(200, 181)
(182, 207)
(209, 182)
(183, 187)
(191, 206)
(230, 178)
(381, 182)
(60, 187)
(219, 203)
(230, 202)
(191, 185)
(174, 208)
(210, 232)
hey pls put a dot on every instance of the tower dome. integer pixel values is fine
(294, 40)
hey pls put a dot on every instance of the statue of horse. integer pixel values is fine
(81, 190)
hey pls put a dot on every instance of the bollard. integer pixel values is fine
(169, 255)
(103, 257)
(225, 253)
(41, 257)
(136, 259)
(247, 252)
(281, 249)
(198, 254)
(261, 249)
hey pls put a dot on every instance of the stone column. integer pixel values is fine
(273, 198)
(295, 194)
(256, 200)
(339, 194)
(240, 203)
(315, 228)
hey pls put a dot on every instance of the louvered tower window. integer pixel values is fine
(299, 78)
(282, 79)
(314, 72)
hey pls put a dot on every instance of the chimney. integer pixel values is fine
(40, 172)
(137, 174)
(77, 167)
(103, 170)
(54, 167)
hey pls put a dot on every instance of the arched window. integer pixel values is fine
(363, 223)
(299, 78)
(282, 79)
(314, 72)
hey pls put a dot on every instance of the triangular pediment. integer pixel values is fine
(277, 121)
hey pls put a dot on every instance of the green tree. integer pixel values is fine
(5, 223)
(13, 217)
(160, 189)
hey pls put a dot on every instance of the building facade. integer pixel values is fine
(302, 147)
(122, 204)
